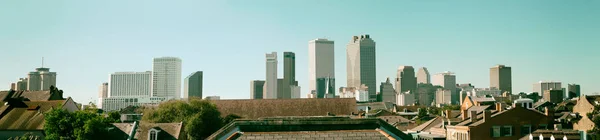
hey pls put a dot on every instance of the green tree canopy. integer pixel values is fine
(201, 118)
(63, 125)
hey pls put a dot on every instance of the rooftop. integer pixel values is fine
(258, 108)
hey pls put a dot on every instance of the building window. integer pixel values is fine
(495, 131)
(507, 130)
(525, 129)
(153, 135)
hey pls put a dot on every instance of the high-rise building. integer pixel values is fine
(102, 94)
(192, 85)
(423, 76)
(21, 84)
(289, 74)
(130, 84)
(405, 99)
(41, 79)
(386, 89)
(321, 66)
(448, 81)
(167, 78)
(444, 97)
(542, 86)
(406, 80)
(500, 78)
(574, 91)
(361, 64)
(271, 76)
(553, 96)
(256, 89)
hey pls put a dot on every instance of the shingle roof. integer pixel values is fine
(168, 130)
(254, 109)
(31, 95)
(435, 122)
(479, 109)
(309, 128)
(30, 117)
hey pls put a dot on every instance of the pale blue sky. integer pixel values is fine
(85, 41)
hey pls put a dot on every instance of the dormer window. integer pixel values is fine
(153, 134)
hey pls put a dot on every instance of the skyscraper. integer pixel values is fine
(41, 79)
(361, 64)
(500, 78)
(574, 91)
(423, 76)
(406, 80)
(289, 74)
(167, 78)
(192, 86)
(102, 94)
(321, 65)
(130, 84)
(386, 89)
(542, 86)
(448, 81)
(256, 89)
(271, 76)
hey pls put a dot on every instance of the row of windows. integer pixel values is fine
(507, 130)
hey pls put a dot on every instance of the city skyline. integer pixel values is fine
(96, 42)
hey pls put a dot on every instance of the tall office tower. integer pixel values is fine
(574, 91)
(41, 79)
(289, 74)
(325, 86)
(386, 89)
(130, 84)
(448, 81)
(167, 78)
(361, 64)
(192, 85)
(321, 66)
(271, 77)
(423, 76)
(553, 96)
(256, 89)
(500, 78)
(102, 94)
(406, 80)
(542, 86)
(21, 84)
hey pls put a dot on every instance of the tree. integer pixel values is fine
(229, 118)
(114, 116)
(201, 118)
(63, 125)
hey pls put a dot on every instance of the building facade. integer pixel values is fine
(386, 89)
(166, 78)
(500, 78)
(21, 84)
(361, 64)
(405, 99)
(541, 86)
(444, 97)
(321, 66)
(41, 79)
(423, 76)
(289, 75)
(448, 81)
(192, 85)
(130, 84)
(118, 103)
(102, 94)
(406, 80)
(574, 91)
(553, 96)
(270, 91)
(256, 89)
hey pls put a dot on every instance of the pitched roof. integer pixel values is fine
(408, 108)
(540, 103)
(482, 99)
(493, 113)
(167, 130)
(479, 109)
(558, 134)
(433, 123)
(377, 105)
(29, 117)
(258, 108)
(31, 95)
(309, 127)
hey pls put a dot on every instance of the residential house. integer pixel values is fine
(148, 131)
(18, 117)
(471, 101)
(309, 128)
(585, 105)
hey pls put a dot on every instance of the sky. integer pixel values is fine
(86, 41)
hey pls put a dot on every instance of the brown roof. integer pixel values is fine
(30, 117)
(435, 122)
(408, 108)
(258, 108)
(558, 134)
(167, 130)
(340, 134)
(31, 95)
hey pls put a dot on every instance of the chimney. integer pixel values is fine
(498, 107)
(473, 116)
(549, 111)
(463, 114)
(487, 115)
(448, 114)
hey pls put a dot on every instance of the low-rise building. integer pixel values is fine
(148, 131)
(118, 103)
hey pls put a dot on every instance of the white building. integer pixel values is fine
(41, 79)
(118, 103)
(320, 63)
(102, 94)
(448, 81)
(166, 78)
(423, 76)
(443, 96)
(361, 64)
(405, 99)
(361, 94)
(270, 89)
(130, 84)
(295, 92)
(542, 86)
